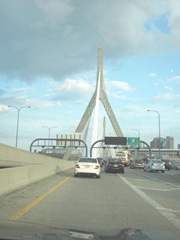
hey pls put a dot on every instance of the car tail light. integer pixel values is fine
(77, 166)
(96, 167)
(121, 165)
(109, 164)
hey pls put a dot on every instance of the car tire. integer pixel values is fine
(75, 175)
(97, 176)
(163, 171)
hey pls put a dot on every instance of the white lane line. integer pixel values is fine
(138, 179)
(163, 211)
(159, 189)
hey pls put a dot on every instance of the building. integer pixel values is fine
(166, 143)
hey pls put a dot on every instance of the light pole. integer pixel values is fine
(137, 131)
(49, 132)
(159, 130)
(18, 110)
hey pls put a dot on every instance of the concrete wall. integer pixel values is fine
(25, 168)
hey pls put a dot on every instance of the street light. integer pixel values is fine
(18, 110)
(137, 131)
(159, 130)
(49, 131)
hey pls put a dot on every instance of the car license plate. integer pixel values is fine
(86, 166)
(115, 165)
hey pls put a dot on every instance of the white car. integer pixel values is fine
(154, 165)
(88, 166)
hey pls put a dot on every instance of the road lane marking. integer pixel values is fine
(159, 189)
(163, 211)
(39, 199)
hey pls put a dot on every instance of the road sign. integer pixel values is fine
(115, 140)
(133, 141)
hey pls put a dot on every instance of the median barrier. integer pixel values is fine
(24, 168)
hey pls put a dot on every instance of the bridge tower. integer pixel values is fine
(99, 94)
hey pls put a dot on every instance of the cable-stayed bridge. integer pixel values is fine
(98, 96)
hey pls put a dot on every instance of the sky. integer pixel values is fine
(48, 60)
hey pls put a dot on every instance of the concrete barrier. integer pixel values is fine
(25, 168)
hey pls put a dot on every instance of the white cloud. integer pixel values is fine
(175, 79)
(53, 11)
(3, 108)
(167, 97)
(55, 37)
(134, 109)
(120, 85)
(153, 74)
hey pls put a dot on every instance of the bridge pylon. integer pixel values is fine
(101, 94)
(102, 97)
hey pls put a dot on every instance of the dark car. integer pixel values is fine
(168, 165)
(114, 165)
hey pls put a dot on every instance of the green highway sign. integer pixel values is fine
(133, 141)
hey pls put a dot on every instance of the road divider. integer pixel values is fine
(24, 168)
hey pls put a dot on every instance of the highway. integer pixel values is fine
(137, 199)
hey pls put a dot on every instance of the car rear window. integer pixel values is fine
(157, 161)
(90, 160)
(115, 161)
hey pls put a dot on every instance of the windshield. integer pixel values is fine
(89, 160)
(114, 160)
(89, 105)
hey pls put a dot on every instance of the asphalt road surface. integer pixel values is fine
(137, 199)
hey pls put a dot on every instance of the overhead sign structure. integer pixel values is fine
(115, 140)
(133, 141)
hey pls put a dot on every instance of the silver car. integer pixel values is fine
(154, 165)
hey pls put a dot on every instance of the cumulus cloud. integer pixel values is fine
(59, 38)
(152, 74)
(167, 97)
(133, 109)
(3, 108)
(72, 89)
(120, 85)
(175, 79)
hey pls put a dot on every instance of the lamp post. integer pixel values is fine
(137, 131)
(159, 130)
(17, 128)
(49, 132)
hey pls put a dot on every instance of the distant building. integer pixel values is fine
(155, 143)
(167, 143)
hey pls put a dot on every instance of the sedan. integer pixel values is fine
(154, 165)
(137, 164)
(87, 166)
(114, 165)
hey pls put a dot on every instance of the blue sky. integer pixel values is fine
(49, 57)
